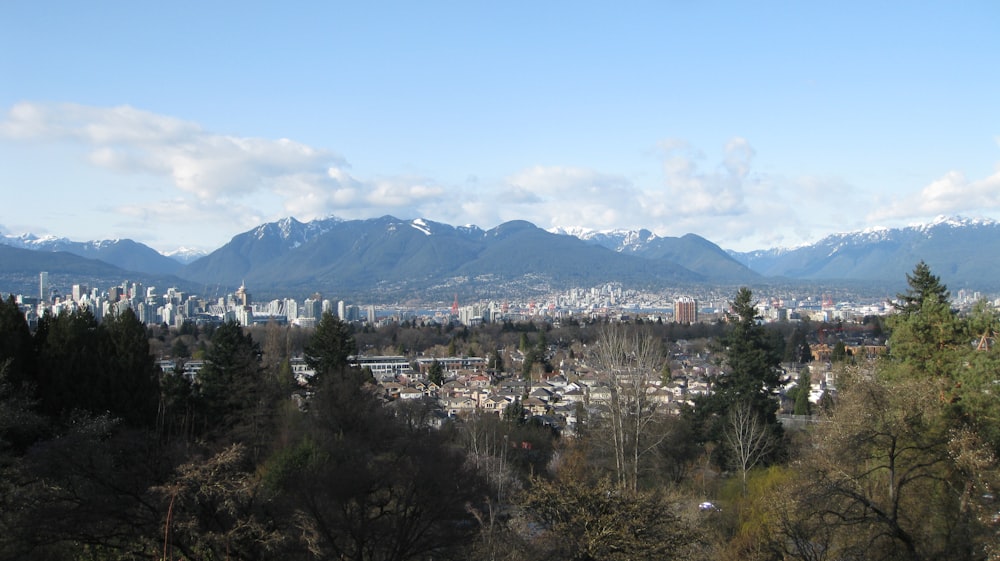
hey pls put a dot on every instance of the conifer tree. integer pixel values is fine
(231, 385)
(802, 405)
(330, 347)
(751, 361)
(15, 344)
(924, 287)
(436, 373)
(749, 380)
(131, 375)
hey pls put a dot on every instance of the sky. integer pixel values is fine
(752, 124)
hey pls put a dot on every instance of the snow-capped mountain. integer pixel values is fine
(126, 254)
(618, 240)
(294, 233)
(185, 255)
(694, 252)
(959, 248)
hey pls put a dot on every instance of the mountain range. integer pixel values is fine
(397, 258)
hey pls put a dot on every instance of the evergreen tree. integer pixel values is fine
(70, 370)
(16, 347)
(802, 405)
(751, 361)
(436, 373)
(749, 381)
(797, 348)
(924, 287)
(231, 385)
(131, 374)
(925, 332)
(496, 361)
(839, 352)
(329, 349)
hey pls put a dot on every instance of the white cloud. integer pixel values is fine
(952, 193)
(401, 192)
(567, 196)
(204, 164)
(218, 177)
(689, 191)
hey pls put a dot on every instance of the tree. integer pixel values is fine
(750, 376)
(68, 348)
(578, 520)
(16, 347)
(797, 348)
(435, 373)
(96, 367)
(748, 437)
(231, 386)
(839, 352)
(329, 349)
(632, 360)
(887, 477)
(359, 485)
(751, 361)
(803, 387)
(925, 333)
(132, 376)
(496, 361)
(905, 465)
(83, 494)
(214, 509)
(923, 287)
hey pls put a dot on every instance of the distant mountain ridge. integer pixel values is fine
(961, 250)
(394, 257)
(20, 267)
(123, 253)
(691, 250)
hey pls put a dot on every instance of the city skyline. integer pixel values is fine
(752, 125)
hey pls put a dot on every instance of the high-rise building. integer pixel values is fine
(43, 286)
(242, 296)
(79, 292)
(312, 309)
(341, 310)
(685, 310)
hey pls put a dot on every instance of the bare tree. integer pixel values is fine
(748, 437)
(632, 360)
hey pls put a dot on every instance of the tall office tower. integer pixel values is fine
(43, 286)
(685, 310)
(242, 296)
(312, 309)
(342, 310)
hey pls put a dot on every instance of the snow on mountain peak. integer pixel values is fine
(422, 226)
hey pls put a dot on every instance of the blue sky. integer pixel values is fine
(753, 124)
